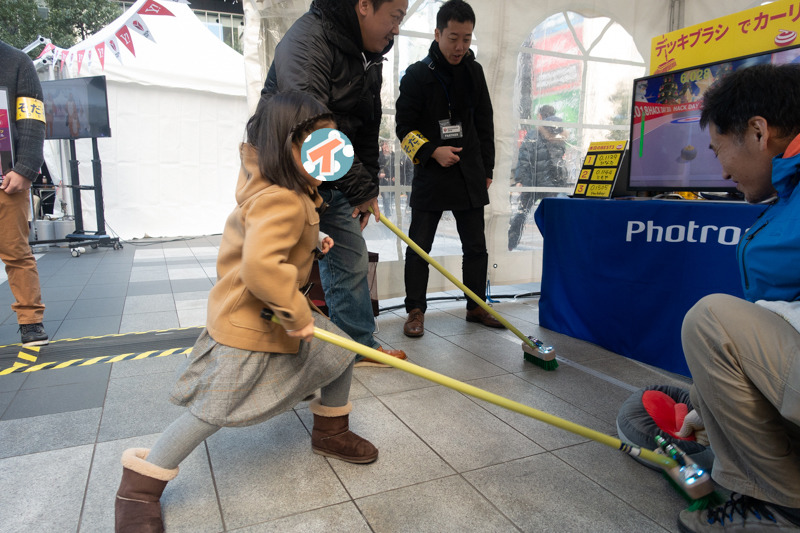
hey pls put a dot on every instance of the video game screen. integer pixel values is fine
(669, 151)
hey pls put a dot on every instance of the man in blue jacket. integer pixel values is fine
(445, 122)
(335, 53)
(744, 355)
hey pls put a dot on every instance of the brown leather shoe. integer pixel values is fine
(366, 361)
(415, 324)
(479, 314)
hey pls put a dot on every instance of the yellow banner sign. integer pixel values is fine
(755, 30)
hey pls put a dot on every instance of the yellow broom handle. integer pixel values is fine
(414, 246)
(602, 438)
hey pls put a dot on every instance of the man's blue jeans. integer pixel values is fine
(344, 269)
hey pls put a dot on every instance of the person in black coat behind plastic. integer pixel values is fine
(537, 166)
(445, 123)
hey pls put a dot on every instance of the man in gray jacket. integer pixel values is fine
(27, 124)
(335, 53)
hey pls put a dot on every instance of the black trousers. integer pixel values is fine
(474, 263)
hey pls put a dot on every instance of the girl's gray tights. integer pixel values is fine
(187, 432)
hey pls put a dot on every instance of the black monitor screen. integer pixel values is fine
(76, 108)
(669, 151)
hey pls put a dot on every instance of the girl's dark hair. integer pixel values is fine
(279, 121)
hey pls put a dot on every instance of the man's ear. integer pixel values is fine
(363, 6)
(760, 129)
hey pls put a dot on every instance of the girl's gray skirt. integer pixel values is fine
(227, 386)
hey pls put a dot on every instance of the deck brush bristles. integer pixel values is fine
(536, 352)
(714, 499)
(547, 365)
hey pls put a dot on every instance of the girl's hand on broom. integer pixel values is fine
(305, 333)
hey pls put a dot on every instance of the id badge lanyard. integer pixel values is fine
(447, 130)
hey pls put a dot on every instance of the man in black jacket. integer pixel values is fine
(445, 122)
(538, 165)
(27, 121)
(335, 53)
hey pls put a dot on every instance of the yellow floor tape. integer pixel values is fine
(19, 367)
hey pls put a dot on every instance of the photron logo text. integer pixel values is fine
(649, 232)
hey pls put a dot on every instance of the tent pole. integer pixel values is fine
(676, 14)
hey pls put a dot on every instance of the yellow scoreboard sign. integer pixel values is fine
(600, 169)
(760, 29)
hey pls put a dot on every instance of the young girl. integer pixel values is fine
(244, 369)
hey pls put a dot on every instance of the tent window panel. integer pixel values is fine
(608, 95)
(616, 44)
(588, 90)
(556, 35)
(583, 68)
(556, 81)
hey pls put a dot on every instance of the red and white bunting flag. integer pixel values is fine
(50, 46)
(151, 7)
(64, 54)
(100, 48)
(137, 23)
(80, 59)
(125, 37)
(114, 46)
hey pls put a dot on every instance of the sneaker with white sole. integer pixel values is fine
(740, 514)
(33, 334)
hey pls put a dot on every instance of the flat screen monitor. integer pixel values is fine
(76, 108)
(669, 151)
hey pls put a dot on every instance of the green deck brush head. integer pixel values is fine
(547, 365)
(714, 499)
(539, 354)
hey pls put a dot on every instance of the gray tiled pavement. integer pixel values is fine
(448, 462)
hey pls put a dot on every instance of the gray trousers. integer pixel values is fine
(745, 363)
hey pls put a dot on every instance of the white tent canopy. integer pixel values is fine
(177, 112)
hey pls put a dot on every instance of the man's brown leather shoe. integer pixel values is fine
(366, 361)
(415, 324)
(479, 314)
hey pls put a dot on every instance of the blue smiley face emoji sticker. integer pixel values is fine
(327, 154)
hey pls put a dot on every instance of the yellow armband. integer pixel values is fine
(412, 143)
(30, 108)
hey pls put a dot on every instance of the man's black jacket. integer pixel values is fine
(321, 54)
